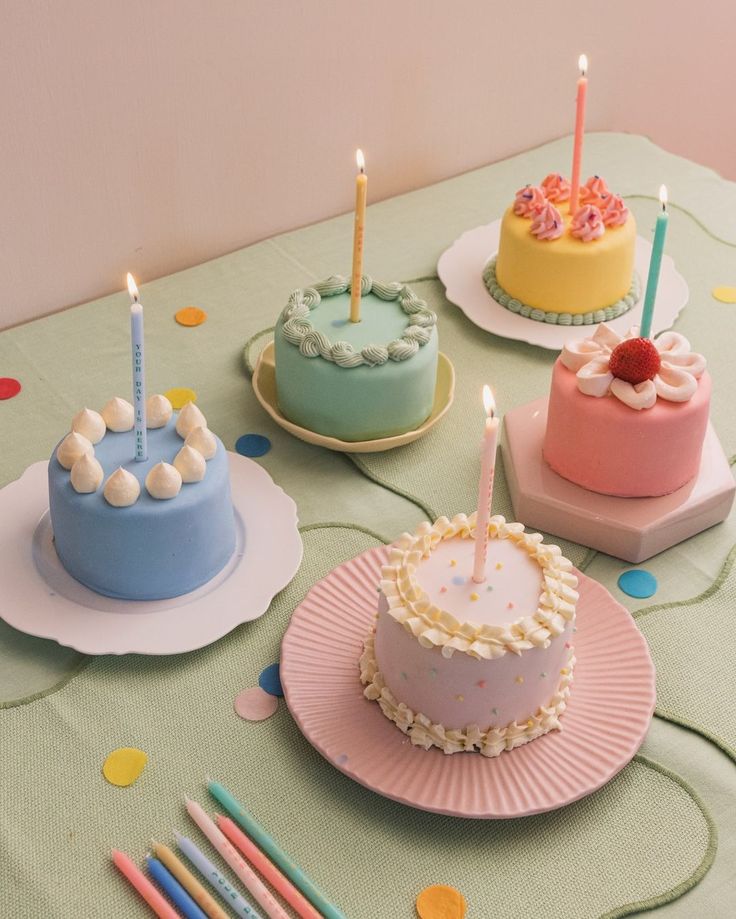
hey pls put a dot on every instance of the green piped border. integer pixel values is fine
(504, 299)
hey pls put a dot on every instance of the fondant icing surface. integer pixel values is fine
(152, 549)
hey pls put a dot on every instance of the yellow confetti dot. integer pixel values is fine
(190, 316)
(520, 679)
(123, 766)
(725, 294)
(441, 902)
(179, 396)
(474, 597)
(499, 566)
(453, 562)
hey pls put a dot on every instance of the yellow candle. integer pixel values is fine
(361, 190)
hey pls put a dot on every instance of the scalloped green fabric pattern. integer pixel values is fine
(646, 832)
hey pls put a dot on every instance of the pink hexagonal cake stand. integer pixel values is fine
(610, 708)
(633, 529)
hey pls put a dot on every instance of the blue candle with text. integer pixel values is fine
(139, 372)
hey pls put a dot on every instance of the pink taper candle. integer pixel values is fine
(261, 894)
(577, 150)
(485, 487)
(155, 899)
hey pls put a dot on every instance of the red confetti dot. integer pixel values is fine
(8, 387)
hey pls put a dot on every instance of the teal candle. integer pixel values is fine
(660, 232)
(272, 850)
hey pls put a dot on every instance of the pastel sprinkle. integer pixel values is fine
(481, 683)
(453, 562)
(252, 445)
(179, 396)
(255, 704)
(474, 596)
(520, 679)
(494, 711)
(499, 566)
(564, 671)
(441, 902)
(270, 681)
(460, 698)
(9, 387)
(510, 605)
(490, 587)
(543, 674)
(725, 294)
(433, 671)
(638, 583)
(443, 590)
(530, 723)
(124, 765)
(459, 579)
(568, 645)
(190, 316)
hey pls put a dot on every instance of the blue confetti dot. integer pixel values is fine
(252, 445)
(638, 583)
(270, 681)
(459, 579)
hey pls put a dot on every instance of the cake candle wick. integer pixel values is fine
(485, 486)
(139, 374)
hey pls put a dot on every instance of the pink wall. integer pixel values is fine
(153, 134)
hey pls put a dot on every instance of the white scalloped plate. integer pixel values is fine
(37, 595)
(608, 715)
(460, 269)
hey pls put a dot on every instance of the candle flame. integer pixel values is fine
(583, 64)
(132, 287)
(663, 196)
(489, 403)
(360, 160)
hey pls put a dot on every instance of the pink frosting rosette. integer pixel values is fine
(528, 200)
(593, 191)
(614, 211)
(556, 187)
(547, 222)
(587, 223)
(676, 380)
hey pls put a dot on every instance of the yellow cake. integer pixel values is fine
(555, 266)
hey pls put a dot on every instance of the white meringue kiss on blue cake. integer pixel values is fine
(141, 543)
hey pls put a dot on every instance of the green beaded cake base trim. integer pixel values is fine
(530, 312)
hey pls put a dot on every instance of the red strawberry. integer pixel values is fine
(635, 360)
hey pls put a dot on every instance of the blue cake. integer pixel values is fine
(155, 529)
(362, 380)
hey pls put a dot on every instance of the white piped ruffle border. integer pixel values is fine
(492, 742)
(433, 627)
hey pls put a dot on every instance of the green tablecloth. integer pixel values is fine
(643, 839)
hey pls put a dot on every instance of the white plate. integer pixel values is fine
(39, 597)
(460, 269)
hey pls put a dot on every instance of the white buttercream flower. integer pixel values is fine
(676, 380)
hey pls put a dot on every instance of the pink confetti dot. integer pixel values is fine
(254, 704)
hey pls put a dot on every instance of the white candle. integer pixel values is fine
(485, 486)
(139, 373)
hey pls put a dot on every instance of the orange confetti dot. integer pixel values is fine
(441, 902)
(179, 396)
(190, 316)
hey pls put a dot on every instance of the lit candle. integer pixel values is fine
(655, 263)
(361, 190)
(139, 373)
(485, 486)
(577, 150)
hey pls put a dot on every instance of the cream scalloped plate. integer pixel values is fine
(610, 708)
(460, 269)
(37, 595)
(264, 386)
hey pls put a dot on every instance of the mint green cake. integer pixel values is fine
(356, 380)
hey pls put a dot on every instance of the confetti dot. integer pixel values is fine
(638, 583)
(460, 698)
(179, 396)
(9, 387)
(190, 316)
(254, 704)
(481, 683)
(453, 562)
(270, 681)
(441, 902)
(519, 679)
(252, 445)
(459, 579)
(499, 566)
(123, 766)
(725, 294)
(474, 597)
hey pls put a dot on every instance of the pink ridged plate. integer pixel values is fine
(610, 708)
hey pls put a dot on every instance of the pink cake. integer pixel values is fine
(627, 418)
(465, 666)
